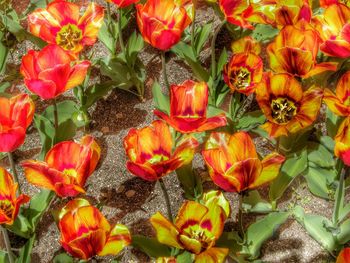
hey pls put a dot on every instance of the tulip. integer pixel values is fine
(344, 256)
(51, 71)
(243, 72)
(162, 22)
(123, 3)
(287, 108)
(9, 203)
(188, 108)
(339, 103)
(342, 142)
(196, 229)
(66, 168)
(334, 30)
(16, 115)
(60, 23)
(294, 51)
(234, 165)
(151, 152)
(85, 232)
(236, 12)
(246, 45)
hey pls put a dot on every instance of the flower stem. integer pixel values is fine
(165, 76)
(193, 31)
(14, 171)
(340, 196)
(213, 43)
(55, 113)
(7, 244)
(240, 216)
(120, 31)
(167, 200)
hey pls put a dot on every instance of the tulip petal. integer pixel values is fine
(166, 232)
(119, 238)
(43, 88)
(337, 48)
(90, 23)
(11, 138)
(77, 75)
(58, 75)
(342, 141)
(64, 12)
(190, 213)
(334, 104)
(212, 255)
(191, 244)
(143, 171)
(344, 256)
(322, 67)
(51, 56)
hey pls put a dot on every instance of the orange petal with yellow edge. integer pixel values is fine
(335, 104)
(118, 238)
(342, 141)
(190, 213)
(212, 255)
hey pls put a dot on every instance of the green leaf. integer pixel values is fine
(344, 232)
(222, 61)
(291, 168)
(332, 123)
(262, 230)
(34, 4)
(190, 182)
(327, 142)
(122, 80)
(319, 179)
(4, 51)
(253, 203)
(4, 257)
(161, 101)
(38, 206)
(134, 46)
(46, 132)
(63, 258)
(96, 92)
(202, 36)
(251, 120)
(65, 110)
(264, 33)
(26, 250)
(320, 155)
(21, 226)
(185, 257)
(316, 226)
(150, 246)
(106, 37)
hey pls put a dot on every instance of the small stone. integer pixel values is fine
(121, 189)
(105, 129)
(130, 193)
(119, 115)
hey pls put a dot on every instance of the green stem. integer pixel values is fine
(7, 244)
(213, 55)
(167, 200)
(193, 31)
(14, 171)
(55, 114)
(240, 216)
(120, 31)
(165, 76)
(109, 25)
(340, 196)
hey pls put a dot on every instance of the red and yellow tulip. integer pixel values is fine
(327, 3)
(196, 229)
(151, 152)
(66, 168)
(236, 12)
(234, 165)
(188, 108)
(246, 45)
(162, 22)
(334, 29)
(342, 142)
(243, 72)
(9, 203)
(60, 23)
(287, 108)
(85, 232)
(344, 256)
(16, 115)
(123, 3)
(51, 71)
(294, 51)
(339, 103)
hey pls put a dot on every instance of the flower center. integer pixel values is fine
(202, 237)
(240, 78)
(6, 207)
(283, 110)
(157, 158)
(69, 37)
(70, 172)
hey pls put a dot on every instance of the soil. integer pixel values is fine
(130, 200)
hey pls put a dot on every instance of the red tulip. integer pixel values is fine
(123, 3)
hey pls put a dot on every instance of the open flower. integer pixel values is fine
(151, 152)
(243, 72)
(326, 3)
(334, 28)
(344, 256)
(51, 71)
(236, 11)
(60, 23)
(123, 3)
(246, 45)
(85, 232)
(196, 229)
(16, 114)
(234, 165)
(9, 203)
(66, 168)
(287, 108)
(162, 22)
(339, 103)
(342, 142)
(188, 108)
(294, 51)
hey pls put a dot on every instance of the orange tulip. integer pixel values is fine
(162, 22)
(236, 12)
(152, 154)
(9, 203)
(243, 72)
(294, 51)
(234, 164)
(85, 232)
(49, 72)
(246, 45)
(344, 256)
(16, 114)
(342, 142)
(66, 168)
(339, 103)
(334, 29)
(123, 3)
(287, 108)
(188, 108)
(60, 23)
(196, 229)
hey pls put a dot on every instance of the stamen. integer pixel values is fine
(240, 78)
(69, 37)
(283, 110)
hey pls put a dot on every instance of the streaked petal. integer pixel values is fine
(212, 255)
(118, 238)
